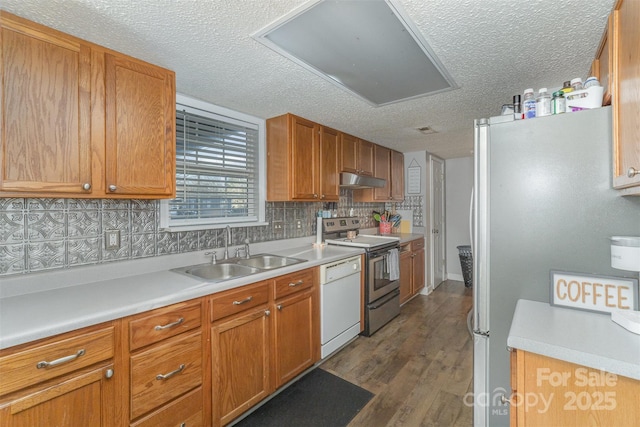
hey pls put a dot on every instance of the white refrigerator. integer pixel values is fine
(542, 201)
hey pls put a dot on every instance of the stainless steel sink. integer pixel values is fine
(268, 261)
(237, 267)
(218, 272)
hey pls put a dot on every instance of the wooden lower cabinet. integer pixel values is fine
(185, 411)
(240, 363)
(263, 335)
(552, 392)
(296, 340)
(81, 399)
(411, 269)
(63, 381)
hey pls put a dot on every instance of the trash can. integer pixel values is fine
(466, 263)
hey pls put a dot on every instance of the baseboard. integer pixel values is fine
(454, 276)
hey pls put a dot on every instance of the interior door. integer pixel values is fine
(437, 221)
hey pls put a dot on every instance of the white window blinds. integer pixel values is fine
(217, 162)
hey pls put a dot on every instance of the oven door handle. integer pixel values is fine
(386, 299)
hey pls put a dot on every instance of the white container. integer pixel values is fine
(625, 253)
(584, 99)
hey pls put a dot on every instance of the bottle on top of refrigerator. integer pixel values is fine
(576, 83)
(529, 104)
(517, 108)
(543, 103)
(566, 87)
(558, 103)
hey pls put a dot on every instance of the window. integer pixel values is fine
(219, 168)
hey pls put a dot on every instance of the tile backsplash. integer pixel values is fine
(44, 234)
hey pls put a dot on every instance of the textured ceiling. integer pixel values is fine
(493, 49)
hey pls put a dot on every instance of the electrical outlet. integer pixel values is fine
(278, 226)
(298, 224)
(112, 239)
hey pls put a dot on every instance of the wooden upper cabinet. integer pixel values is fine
(328, 173)
(388, 165)
(78, 118)
(365, 157)
(626, 97)
(302, 160)
(602, 65)
(356, 155)
(140, 127)
(45, 103)
(397, 176)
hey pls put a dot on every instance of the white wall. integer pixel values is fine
(459, 181)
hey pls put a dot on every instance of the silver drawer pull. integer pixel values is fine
(170, 374)
(169, 325)
(45, 364)
(299, 282)
(246, 300)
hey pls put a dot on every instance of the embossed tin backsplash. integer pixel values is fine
(43, 234)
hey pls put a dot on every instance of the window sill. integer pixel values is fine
(177, 228)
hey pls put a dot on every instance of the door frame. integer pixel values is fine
(442, 233)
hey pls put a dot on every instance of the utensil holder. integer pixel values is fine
(385, 228)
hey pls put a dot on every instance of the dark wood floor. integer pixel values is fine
(419, 366)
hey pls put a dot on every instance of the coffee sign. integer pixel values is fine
(594, 293)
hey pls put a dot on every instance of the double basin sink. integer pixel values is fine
(237, 267)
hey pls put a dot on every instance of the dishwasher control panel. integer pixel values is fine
(339, 269)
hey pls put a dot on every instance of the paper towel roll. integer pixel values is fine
(318, 231)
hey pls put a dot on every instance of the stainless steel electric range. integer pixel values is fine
(382, 280)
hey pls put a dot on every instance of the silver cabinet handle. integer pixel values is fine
(299, 282)
(86, 186)
(169, 325)
(315, 196)
(267, 312)
(45, 364)
(170, 374)
(504, 400)
(108, 373)
(279, 306)
(633, 172)
(112, 188)
(244, 301)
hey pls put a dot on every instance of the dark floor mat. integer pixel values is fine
(319, 399)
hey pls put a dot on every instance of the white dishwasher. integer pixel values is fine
(340, 303)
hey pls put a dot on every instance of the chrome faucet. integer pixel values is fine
(227, 237)
(246, 248)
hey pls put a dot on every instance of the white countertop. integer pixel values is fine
(581, 337)
(44, 304)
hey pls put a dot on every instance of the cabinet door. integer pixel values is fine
(240, 364)
(382, 169)
(328, 173)
(418, 271)
(348, 153)
(296, 337)
(397, 176)
(406, 273)
(45, 104)
(304, 158)
(626, 95)
(140, 128)
(86, 399)
(365, 157)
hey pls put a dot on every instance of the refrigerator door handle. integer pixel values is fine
(480, 229)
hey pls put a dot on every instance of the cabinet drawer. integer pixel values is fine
(164, 323)
(294, 282)
(185, 411)
(46, 361)
(235, 301)
(164, 372)
(416, 245)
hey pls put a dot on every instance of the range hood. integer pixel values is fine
(351, 180)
